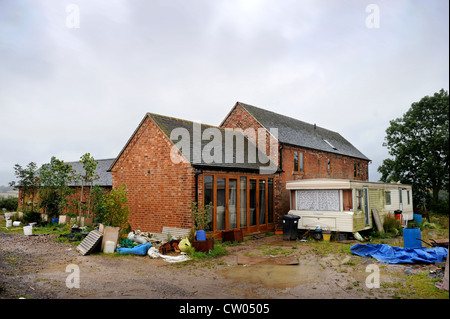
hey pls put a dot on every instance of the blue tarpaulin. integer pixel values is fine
(138, 250)
(399, 255)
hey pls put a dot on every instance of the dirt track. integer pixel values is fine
(35, 267)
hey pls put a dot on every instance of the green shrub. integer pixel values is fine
(10, 204)
(31, 217)
(392, 225)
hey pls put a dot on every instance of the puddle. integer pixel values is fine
(276, 276)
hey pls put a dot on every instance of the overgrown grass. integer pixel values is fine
(218, 251)
(53, 229)
(421, 286)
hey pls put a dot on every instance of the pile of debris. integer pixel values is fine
(138, 243)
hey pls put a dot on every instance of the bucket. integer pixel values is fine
(326, 236)
(412, 238)
(109, 247)
(418, 218)
(8, 223)
(200, 235)
(28, 230)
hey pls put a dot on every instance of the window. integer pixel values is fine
(387, 195)
(295, 161)
(318, 200)
(356, 172)
(298, 162)
(329, 164)
(400, 196)
(359, 195)
(301, 163)
(407, 197)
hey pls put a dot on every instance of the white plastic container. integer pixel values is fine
(109, 247)
(28, 230)
(17, 224)
(8, 223)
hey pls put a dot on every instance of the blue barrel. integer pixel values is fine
(200, 235)
(55, 220)
(418, 218)
(412, 238)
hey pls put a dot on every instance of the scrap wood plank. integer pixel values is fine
(376, 218)
(90, 242)
(276, 260)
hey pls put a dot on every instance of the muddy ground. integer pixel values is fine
(37, 267)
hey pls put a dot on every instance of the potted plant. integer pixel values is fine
(201, 218)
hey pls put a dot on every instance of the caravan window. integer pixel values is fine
(325, 200)
(388, 197)
(359, 195)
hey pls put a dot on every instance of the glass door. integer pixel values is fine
(220, 213)
(262, 201)
(232, 203)
(209, 199)
(252, 198)
(243, 202)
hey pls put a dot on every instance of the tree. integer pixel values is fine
(99, 208)
(419, 145)
(117, 211)
(89, 165)
(28, 182)
(55, 178)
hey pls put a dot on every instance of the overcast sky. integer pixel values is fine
(78, 76)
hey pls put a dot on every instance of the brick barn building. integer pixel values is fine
(169, 162)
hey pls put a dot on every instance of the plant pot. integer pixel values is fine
(232, 235)
(64, 219)
(84, 221)
(87, 221)
(203, 245)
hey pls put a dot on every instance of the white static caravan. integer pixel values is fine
(341, 205)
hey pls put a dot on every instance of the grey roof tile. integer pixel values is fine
(295, 132)
(105, 177)
(168, 124)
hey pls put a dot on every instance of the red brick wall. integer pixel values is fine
(315, 163)
(240, 118)
(159, 191)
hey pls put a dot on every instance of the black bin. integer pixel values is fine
(290, 226)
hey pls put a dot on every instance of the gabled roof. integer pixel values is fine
(298, 133)
(168, 124)
(105, 177)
